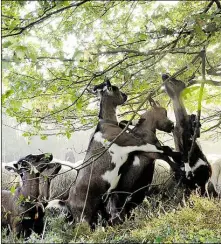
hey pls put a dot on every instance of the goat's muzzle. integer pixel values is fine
(169, 127)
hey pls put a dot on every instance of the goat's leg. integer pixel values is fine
(116, 213)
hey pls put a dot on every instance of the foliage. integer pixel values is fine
(54, 52)
(196, 223)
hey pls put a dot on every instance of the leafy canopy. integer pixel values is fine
(54, 52)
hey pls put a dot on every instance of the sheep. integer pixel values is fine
(214, 185)
(65, 178)
(20, 212)
(57, 184)
(161, 177)
(9, 179)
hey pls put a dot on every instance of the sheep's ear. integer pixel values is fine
(11, 169)
(55, 166)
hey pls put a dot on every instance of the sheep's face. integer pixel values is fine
(111, 94)
(40, 162)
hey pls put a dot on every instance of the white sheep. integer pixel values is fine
(60, 184)
(9, 179)
(162, 178)
(214, 185)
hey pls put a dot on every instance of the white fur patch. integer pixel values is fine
(119, 156)
(171, 159)
(198, 164)
(55, 204)
(187, 170)
(135, 122)
(136, 161)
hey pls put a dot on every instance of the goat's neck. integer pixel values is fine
(30, 186)
(148, 125)
(107, 111)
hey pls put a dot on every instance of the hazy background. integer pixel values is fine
(14, 145)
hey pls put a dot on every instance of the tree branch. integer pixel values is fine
(22, 29)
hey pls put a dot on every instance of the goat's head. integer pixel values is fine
(159, 113)
(40, 162)
(107, 91)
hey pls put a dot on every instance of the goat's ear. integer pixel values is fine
(11, 169)
(165, 76)
(140, 121)
(107, 81)
(152, 104)
(158, 104)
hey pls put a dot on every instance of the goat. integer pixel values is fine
(55, 181)
(197, 168)
(101, 174)
(139, 170)
(20, 212)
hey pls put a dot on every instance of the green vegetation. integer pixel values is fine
(198, 223)
(54, 52)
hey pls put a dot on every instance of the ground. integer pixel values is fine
(198, 222)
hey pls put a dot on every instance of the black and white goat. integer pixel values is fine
(197, 168)
(101, 173)
(137, 173)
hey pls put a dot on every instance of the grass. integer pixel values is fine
(199, 222)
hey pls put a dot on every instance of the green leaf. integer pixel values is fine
(68, 134)
(6, 44)
(6, 95)
(12, 190)
(43, 137)
(20, 52)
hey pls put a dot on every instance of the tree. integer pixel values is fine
(48, 80)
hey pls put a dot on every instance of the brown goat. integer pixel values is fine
(20, 212)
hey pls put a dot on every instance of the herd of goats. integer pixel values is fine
(119, 170)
